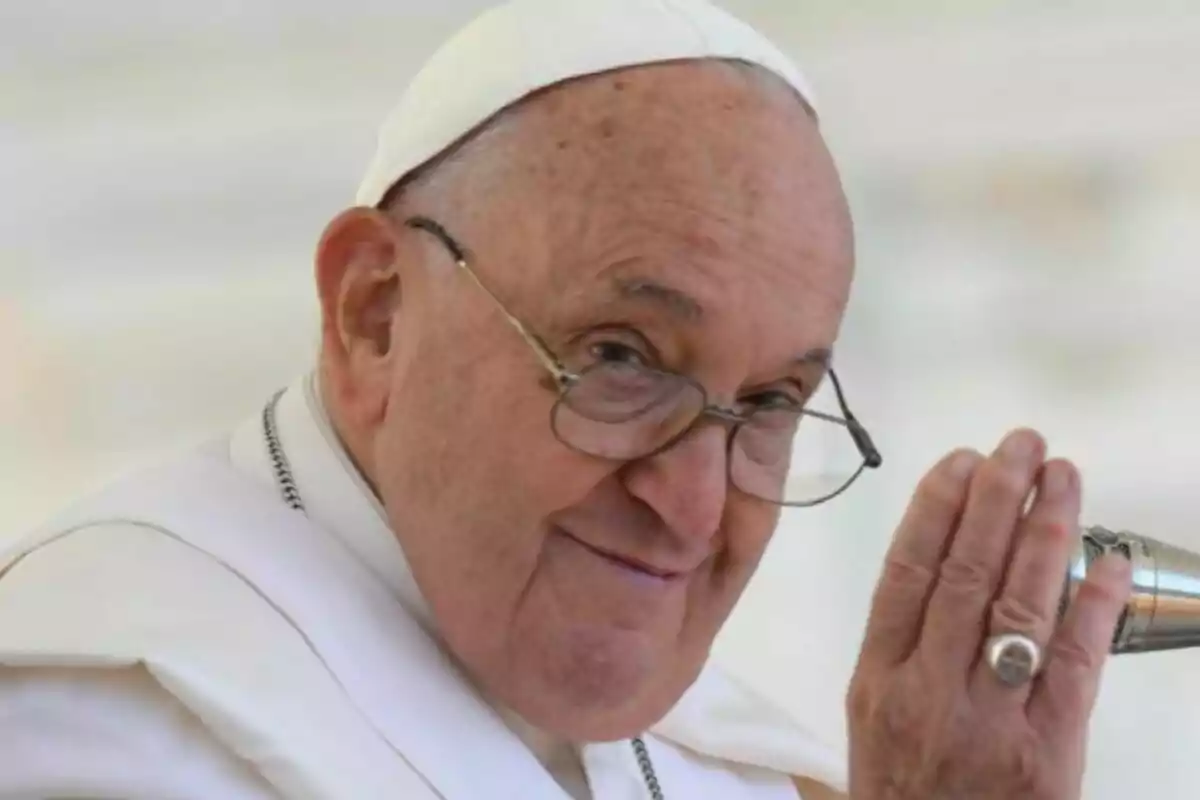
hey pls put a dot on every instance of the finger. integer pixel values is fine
(970, 575)
(1033, 587)
(910, 566)
(1063, 698)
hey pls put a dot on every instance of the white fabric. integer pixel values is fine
(525, 45)
(213, 643)
(78, 732)
(344, 504)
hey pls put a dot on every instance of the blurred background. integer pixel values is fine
(1026, 180)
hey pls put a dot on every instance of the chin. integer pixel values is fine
(600, 685)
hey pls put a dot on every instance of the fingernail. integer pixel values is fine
(1057, 480)
(1020, 446)
(964, 463)
(1113, 565)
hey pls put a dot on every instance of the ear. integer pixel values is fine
(360, 294)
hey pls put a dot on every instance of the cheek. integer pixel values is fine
(747, 530)
(745, 533)
(468, 487)
(755, 522)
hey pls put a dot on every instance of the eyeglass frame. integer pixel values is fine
(565, 379)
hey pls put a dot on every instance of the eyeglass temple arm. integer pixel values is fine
(872, 458)
(862, 440)
(548, 360)
(539, 348)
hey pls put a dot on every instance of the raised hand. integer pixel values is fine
(930, 716)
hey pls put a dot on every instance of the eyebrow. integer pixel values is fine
(676, 302)
(682, 305)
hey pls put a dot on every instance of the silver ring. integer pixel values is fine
(1013, 657)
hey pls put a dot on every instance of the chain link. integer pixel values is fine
(643, 759)
(284, 477)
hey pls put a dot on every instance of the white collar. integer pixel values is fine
(335, 494)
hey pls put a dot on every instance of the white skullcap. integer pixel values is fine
(525, 45)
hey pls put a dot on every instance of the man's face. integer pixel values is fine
(685, 216)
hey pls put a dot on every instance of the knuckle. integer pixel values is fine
(965, 575)
(859, 701)
(1001, 482)
(1074, 655)
(1025, 769)
(899, 721)
(885, 706)
(1015, 614)
(899, 573)
(1098, 593)
(1058, 702)
(1051, 521)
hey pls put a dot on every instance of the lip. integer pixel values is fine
(627, 561)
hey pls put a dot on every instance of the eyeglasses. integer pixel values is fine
(786, 452)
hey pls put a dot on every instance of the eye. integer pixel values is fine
(614, 352)
(776, 398)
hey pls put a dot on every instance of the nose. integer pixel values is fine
(686, 484)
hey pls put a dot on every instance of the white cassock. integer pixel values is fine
(185, 634)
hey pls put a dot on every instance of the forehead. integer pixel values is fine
(699, 189)
(721, 307)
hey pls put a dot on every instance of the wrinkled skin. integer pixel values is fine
(706, 178)
(928, 719)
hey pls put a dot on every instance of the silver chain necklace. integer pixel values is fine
(286, 481)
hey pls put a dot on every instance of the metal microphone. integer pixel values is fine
(1163, 611)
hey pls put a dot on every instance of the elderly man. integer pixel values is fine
(572, 333)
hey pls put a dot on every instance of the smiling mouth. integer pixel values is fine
(625, 561)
